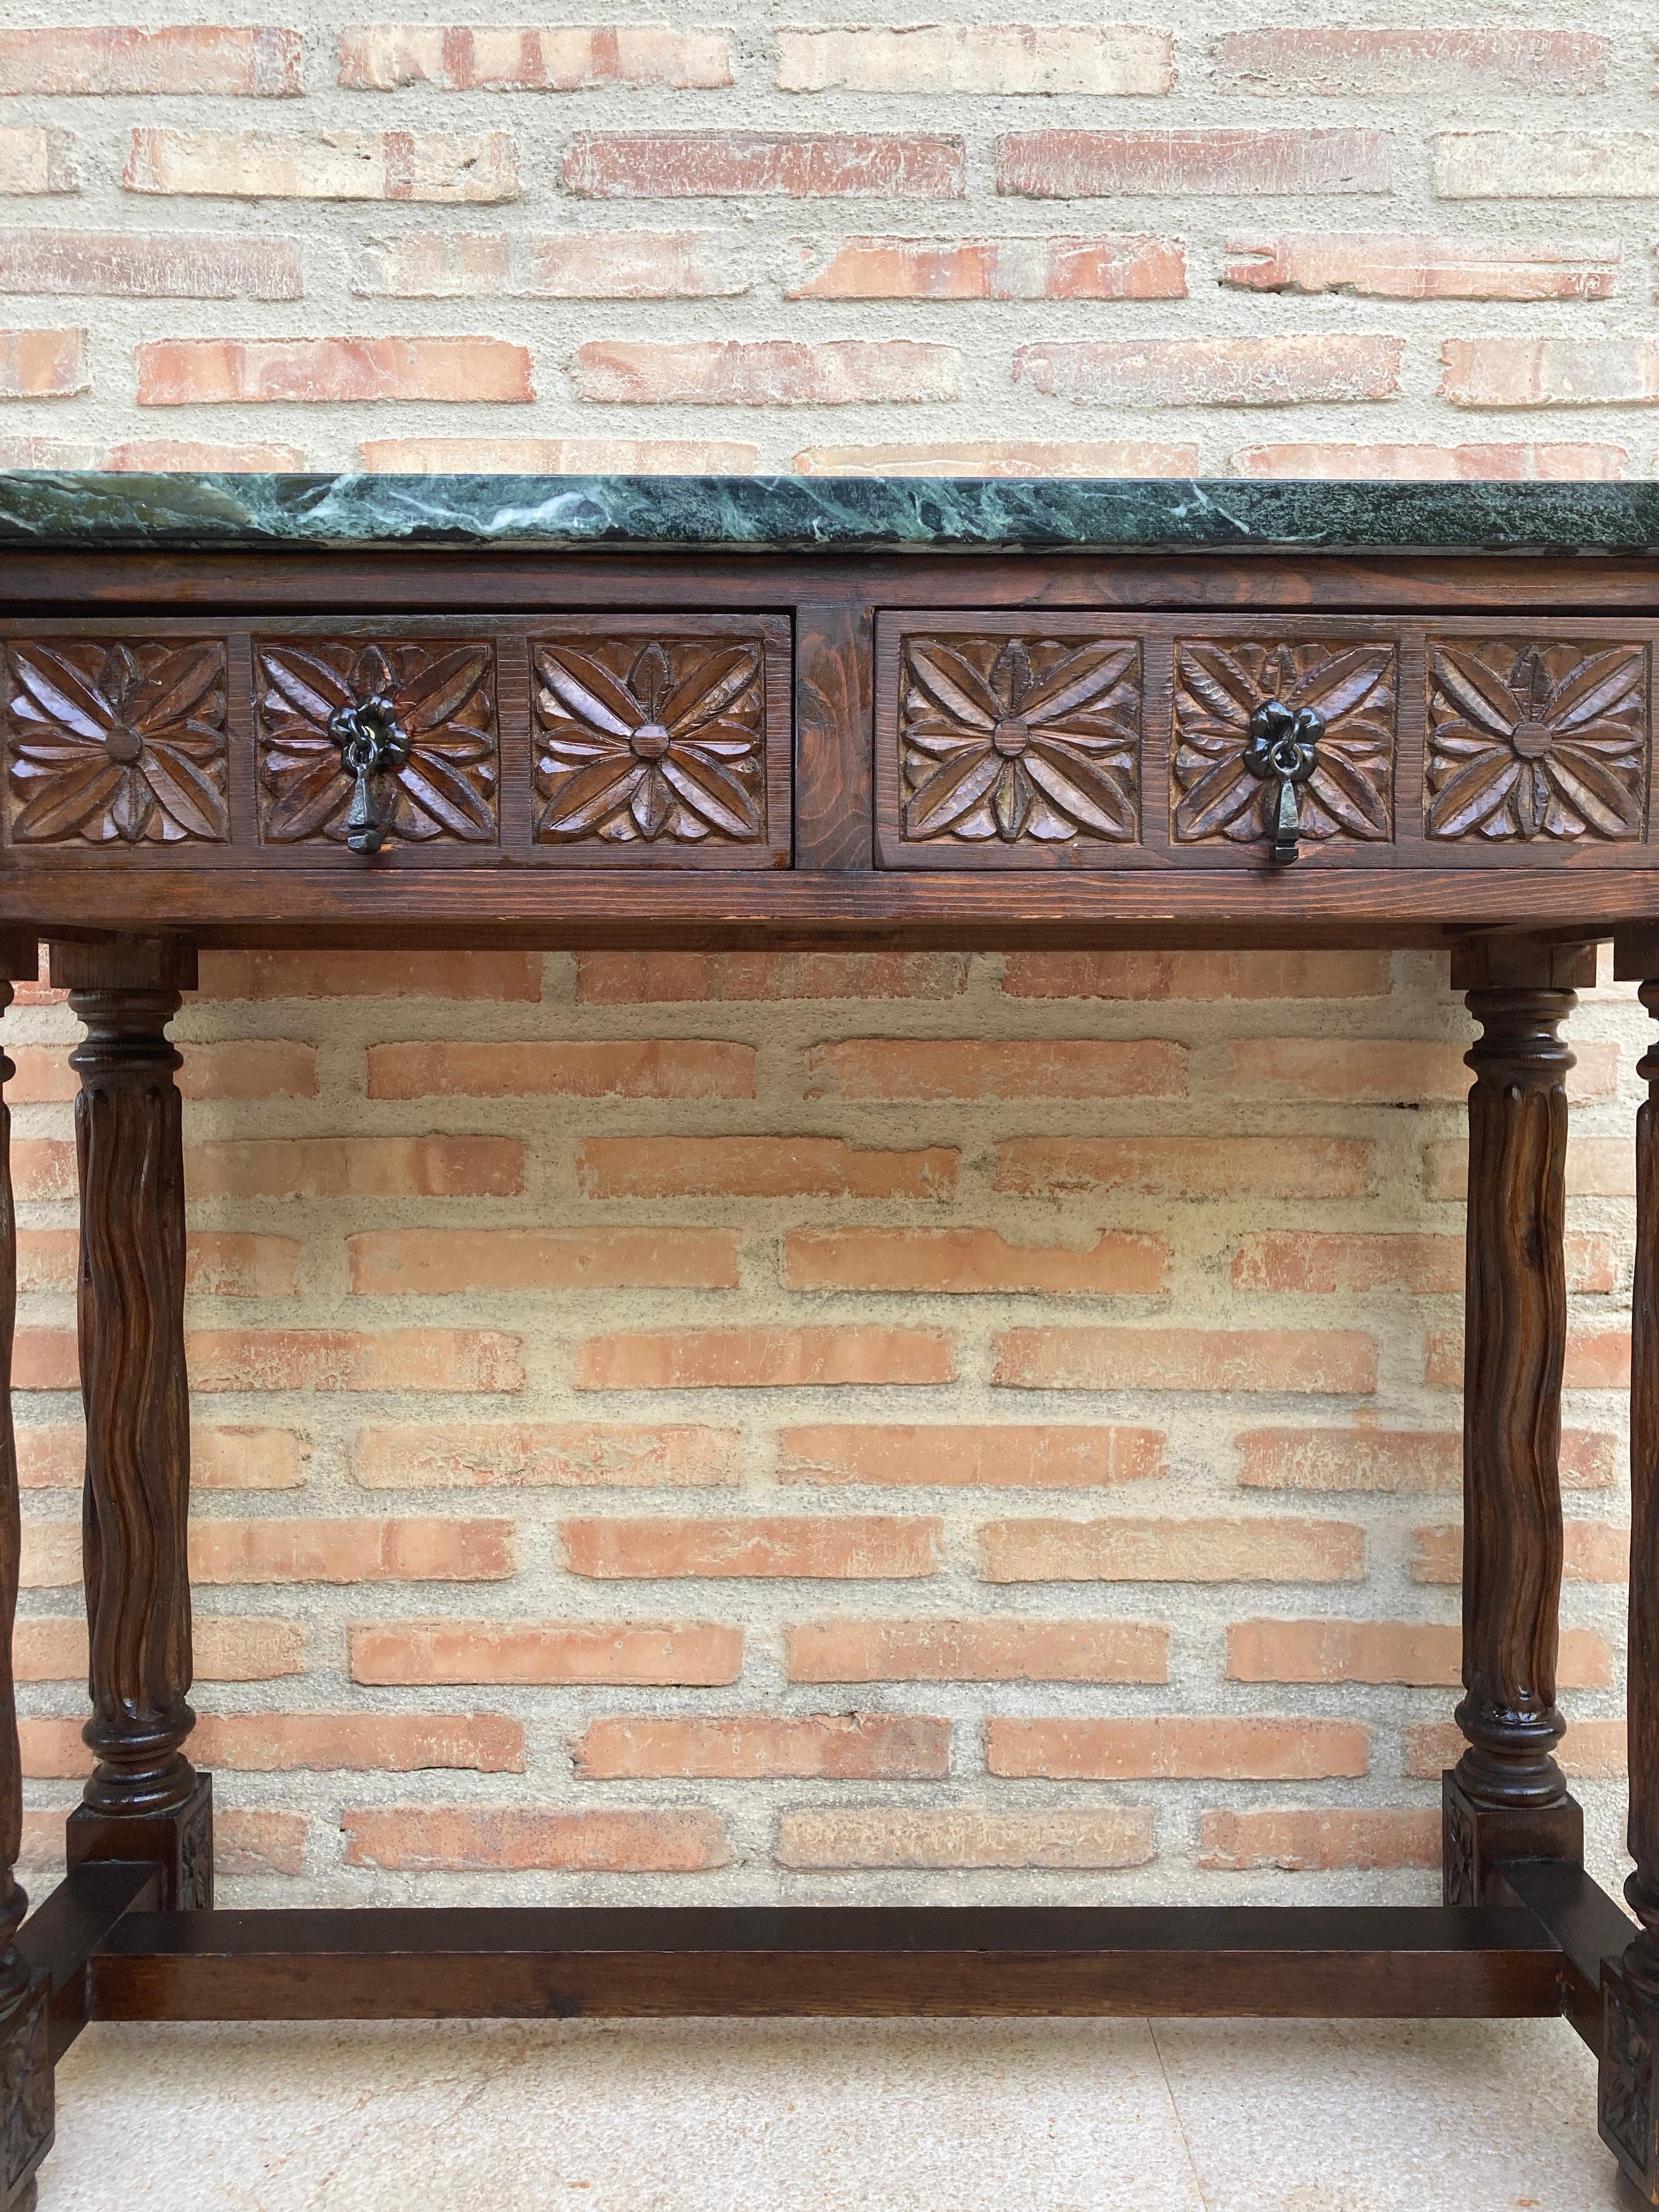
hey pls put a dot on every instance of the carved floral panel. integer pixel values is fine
(656, 741)
(1019, 739)
(1535, 740)
(1349, 687)
(435, 694)
(113, 742)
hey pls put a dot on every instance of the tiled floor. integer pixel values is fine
(902, 2116)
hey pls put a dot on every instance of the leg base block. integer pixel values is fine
(1628, 2102)
(26, 2092)
(180, 1842)
(1474, 1837)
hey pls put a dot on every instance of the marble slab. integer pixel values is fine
(207, 512)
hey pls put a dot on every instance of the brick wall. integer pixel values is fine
(984, 1426)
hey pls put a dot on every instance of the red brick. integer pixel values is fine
(1090, 164)
(1342, 1361)
(1200, 975)
(838, 1747)
(435, 1261)
(156, 456)
(395, 1743)
(45, 1359)
(977, 1652)
(1185, 1167)
(259, 62)
(1423, 1653)
(228, 1458)
(972, 1067)
(647, 1068)
(1597, 1359)
(972, 1260)
(1117, 58)
(1114, 267)
(218, 1263)
(52, 1750)
(1423, 266)
(1383, 1070)
(533, 1455)
(852, 1548)
(764, 372)
(1115, 1836)
(351, 1360)
(1446, 463)
(1318, 1839)
(50, 1555)
(526, 1838)
(1495, 372)
(1177, 1747)
(377, 975)
(1049, 1457)
(36, 161)
(243, 1068)
(624, 979)
(1277, 371)
(226, 1647)
(478, 167)
(758, 1167)
(658, 165)
(1594, 1552)
(269, 1550)
(1002, 457)
(197, 371)
(1395, 1460)
(1357, 1262)
(1592, 1750)
(766, 1359)
(44, 364)
(384, 56)
(1533, 164)
(560, 457)
(1339, 63)
(694, 1653)
(1597, 1167)
(1130, 1551)
(598, 264)
(356, 1167)
(176, 265)
(244, 1842)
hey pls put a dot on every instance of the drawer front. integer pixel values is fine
(659, 740)
(1091, 740)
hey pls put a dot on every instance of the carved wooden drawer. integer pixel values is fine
(560, 740)
(1096, 741)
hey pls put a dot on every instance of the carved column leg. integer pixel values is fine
(145, 1801)
(1630, 1992)
(26, 2086)
(1506, 1798)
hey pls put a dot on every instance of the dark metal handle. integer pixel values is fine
(371, 746)
(1282, 750)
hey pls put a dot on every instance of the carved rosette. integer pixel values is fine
(663, 743)
(117, 742)
(1536, 741)
(1019, 739)
(435, 693)
(1351, 687)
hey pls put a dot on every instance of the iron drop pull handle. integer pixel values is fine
(1282, 750)
(371, 747)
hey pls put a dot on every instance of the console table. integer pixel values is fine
(452, 712)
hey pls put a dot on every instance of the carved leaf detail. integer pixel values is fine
(111, 743)
(1536, 740)
(1218, 687)
(660, 744)
(439, 696)
(1019, 738)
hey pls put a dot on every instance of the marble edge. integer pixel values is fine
(69, 510)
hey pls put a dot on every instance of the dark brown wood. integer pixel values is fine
(834, 788)
(144, 1799)
(454, 1963)
(1506, 1798)
(1581, 1919)
(75, 1921)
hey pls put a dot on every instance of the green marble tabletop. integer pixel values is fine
(71, 510)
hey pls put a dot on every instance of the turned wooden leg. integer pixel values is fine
(145, 1801)
(1506, 1798)
(26, 2088)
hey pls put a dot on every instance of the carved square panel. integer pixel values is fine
(400, 729)
(1333, 700)
(1009, 747)
(117, 741)
(663, 741)
(1531, 739)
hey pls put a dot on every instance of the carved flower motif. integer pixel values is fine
(118, 742)
(1539, 740)
(1026, 739)
(672, 751)
(1218, 688)
(440, 697)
